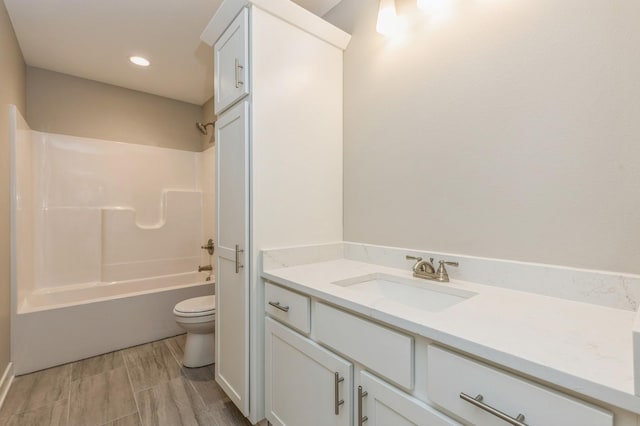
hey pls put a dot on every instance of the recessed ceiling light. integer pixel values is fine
(140, 61)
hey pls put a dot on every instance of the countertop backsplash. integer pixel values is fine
(611, 289)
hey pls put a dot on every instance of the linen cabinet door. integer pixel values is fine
(380, 404)
(232, 260)
(305, 383)
(232, 63)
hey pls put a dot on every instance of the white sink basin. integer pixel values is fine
(414, 293)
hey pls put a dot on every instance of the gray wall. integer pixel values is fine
(12, 91)
(512, 130)
(60, 103)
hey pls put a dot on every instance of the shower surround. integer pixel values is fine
(107, 238)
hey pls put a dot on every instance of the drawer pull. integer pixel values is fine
(338, 401)
(477, 401)
(238, 68)
(238, 265)
(361, 419)
(277, 305)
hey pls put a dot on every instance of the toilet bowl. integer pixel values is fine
(197, 317)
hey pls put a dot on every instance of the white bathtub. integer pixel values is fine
(67, 324)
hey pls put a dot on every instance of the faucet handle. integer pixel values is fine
(209, 247)
(441, 274)
(416, 258)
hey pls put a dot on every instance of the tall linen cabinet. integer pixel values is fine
(278, 98)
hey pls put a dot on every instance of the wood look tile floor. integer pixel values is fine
(141, 386)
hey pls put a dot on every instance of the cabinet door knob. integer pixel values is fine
(477, 401)
(336, 393)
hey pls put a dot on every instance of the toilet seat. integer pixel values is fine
(195, 320)
(196, 307)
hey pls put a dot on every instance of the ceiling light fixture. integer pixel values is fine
(388, 22)
(140, 61)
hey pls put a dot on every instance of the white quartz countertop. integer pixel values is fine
(577, 346)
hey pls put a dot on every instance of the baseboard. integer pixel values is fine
(5, 382)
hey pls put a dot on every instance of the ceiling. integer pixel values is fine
(93, 39)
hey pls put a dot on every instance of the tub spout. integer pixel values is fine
(205, 268)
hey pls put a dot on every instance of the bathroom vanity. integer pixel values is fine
(318, 336)
(354, 342)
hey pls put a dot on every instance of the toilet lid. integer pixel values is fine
(204, 305)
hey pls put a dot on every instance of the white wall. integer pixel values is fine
(84, 172)
(509, 130)
(24, 203)
(102, 211)
(208, 187)
(208, 181)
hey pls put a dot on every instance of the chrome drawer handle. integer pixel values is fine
(238, 265)
(277, 305)
(238, 68)
(477, 401)
(336, 393)
(361, 419)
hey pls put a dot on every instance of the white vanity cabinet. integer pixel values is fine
(300, 370)
(398, 378)
(231, 53)
(278, 97)
(305, 383)
(380, 404)
(383, 350)
(484, 395)
(293, 309)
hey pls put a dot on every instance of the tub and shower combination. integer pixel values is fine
(106, 239)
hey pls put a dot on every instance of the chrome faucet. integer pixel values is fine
(205, 268)
(422, 268)
(425, 269)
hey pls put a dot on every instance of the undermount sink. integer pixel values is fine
(416, 294)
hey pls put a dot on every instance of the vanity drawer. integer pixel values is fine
(450, 375)
(385, 351)
(288, 307)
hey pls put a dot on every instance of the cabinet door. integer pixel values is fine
(232, 63)
(301, 383)
(232, 259)
(384, 405)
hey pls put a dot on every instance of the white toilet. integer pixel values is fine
(197, 316)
